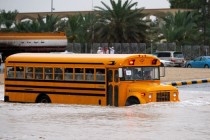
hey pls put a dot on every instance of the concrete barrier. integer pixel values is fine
(181, 83)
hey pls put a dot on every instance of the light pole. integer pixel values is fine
(92, 4)
(205, 13)
(92, 38)
(151, 46)
(52, 6)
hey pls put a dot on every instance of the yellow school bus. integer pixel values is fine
(91, 79)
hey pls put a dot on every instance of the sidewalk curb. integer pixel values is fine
(181, 83)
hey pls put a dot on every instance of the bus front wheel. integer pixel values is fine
(43, 98)
(132, 101)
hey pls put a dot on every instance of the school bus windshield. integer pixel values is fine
(140, 73)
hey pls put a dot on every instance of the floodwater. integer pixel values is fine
(187, 119)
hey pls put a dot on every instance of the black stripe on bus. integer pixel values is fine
(60, 93)
(57, 81)
(55, 87)
(28, 62)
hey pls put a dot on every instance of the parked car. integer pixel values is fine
(176, 58)
(199, 62)
(165, 63)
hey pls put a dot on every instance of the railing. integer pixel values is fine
(189, 51)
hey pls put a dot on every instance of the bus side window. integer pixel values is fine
(89, 74)
(110, 75)
(68, 74)
(29, 72)
(10, 72)
(48, 73)
(38, 73)
(116, 76)
(19, 72)
(100, 74)
(58, 74)
(79, 74)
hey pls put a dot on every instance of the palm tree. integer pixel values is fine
(27, 26)
(121, 22)
(79, 28)
(180, 28)
(73, 27)
(50, 23)
(87, 29)
(154, 30)
(202, 7)
(208, 33)
(8, 18)
(186, 4)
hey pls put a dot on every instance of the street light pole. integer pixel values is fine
(52, 6)
(205, 14)
(92, 4)
(92, 30)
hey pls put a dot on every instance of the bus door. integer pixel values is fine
(112, 87)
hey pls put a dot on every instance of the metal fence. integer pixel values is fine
(189, 51)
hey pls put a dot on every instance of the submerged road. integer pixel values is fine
(187, 119)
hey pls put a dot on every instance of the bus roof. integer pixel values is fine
(76, 58)
(32, 36)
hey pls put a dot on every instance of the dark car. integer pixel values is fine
(199, 62)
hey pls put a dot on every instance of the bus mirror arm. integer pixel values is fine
(120, 73)
(163, 72)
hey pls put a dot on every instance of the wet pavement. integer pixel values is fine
(187, 119)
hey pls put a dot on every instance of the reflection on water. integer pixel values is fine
(186, 119)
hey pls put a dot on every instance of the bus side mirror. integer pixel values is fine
(120, 73)
(162, 71)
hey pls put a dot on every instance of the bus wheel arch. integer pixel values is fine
(43, 98)
(132, 100)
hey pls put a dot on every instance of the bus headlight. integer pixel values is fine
(150, 96)
(174, 94)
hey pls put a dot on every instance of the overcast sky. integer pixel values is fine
(70, 5)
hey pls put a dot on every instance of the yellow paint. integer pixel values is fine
(84, 92)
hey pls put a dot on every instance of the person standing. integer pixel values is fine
(112, 50)
(100, 51)
(106, 50)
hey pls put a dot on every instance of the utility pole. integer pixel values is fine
(205, 19)
(52, 6)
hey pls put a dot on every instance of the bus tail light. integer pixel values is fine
(154, 61)
(131, 62)
(142, 94)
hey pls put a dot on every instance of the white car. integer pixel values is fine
(165, 63)
(176, 58)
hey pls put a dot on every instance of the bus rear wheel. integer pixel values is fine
(132, 101)
(43, 98)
